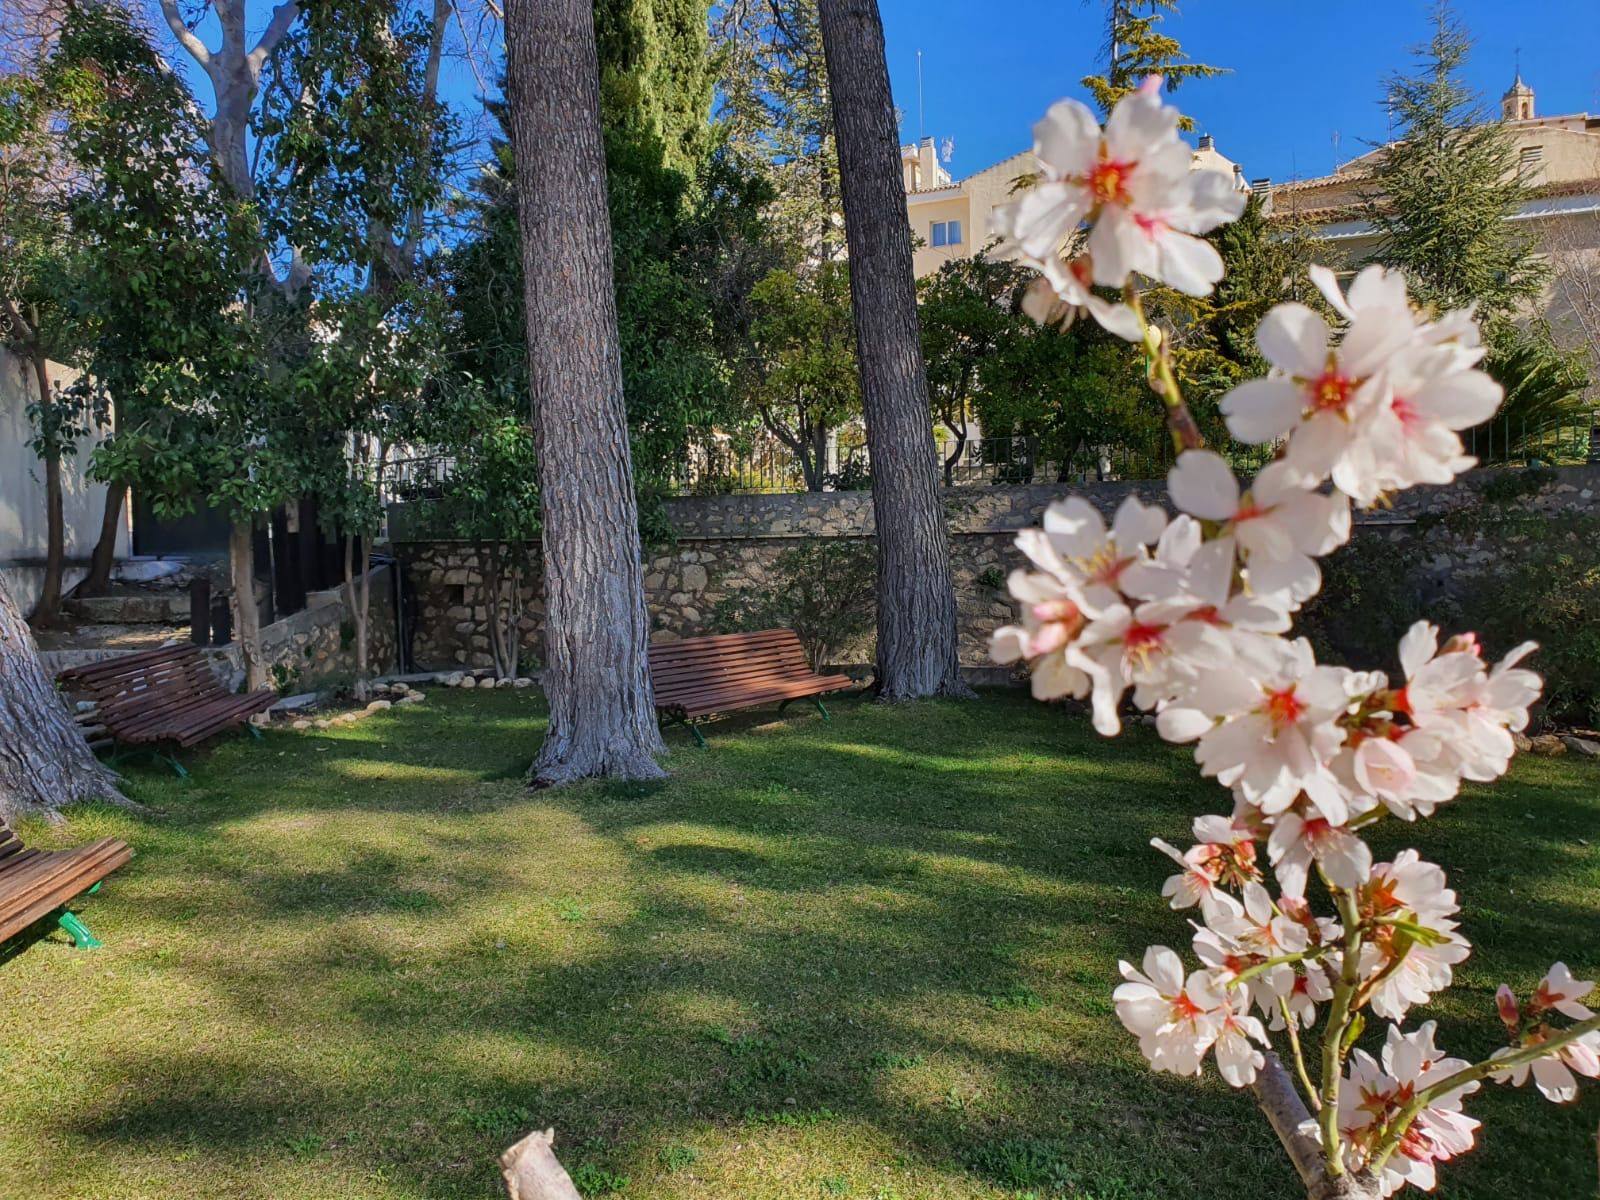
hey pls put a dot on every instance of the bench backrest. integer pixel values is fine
(171, 677)
(10, 844)
(682, 670)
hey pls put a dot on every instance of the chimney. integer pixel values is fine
(1207, 142)
(928, 163)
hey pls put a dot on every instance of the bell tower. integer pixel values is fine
(1517, 103)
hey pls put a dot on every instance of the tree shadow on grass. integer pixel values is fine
(904, 931)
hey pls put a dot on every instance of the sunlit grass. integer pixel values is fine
(867, 958)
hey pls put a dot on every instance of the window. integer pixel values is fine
(946, 233)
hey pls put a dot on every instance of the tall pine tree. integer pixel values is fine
(1442, 193)
(1136, 47)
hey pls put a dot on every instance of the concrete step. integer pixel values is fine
(133, 608)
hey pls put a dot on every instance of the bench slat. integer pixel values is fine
(724, 672)
(34, 883)
(167, 694)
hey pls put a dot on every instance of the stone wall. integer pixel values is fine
(732, 542)
(316, 646)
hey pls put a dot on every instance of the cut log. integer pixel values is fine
(532, 1172)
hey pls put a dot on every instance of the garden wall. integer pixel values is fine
(316, 646)
(731, 542)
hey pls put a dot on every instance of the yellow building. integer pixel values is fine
(1560, 155)
(952, 219)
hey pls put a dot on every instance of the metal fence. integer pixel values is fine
(722, 467)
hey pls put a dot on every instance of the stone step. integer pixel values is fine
(133, 608)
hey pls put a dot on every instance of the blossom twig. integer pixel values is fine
(1396, 1129)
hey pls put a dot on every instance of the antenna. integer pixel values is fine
(1335, 149)
(919, 97)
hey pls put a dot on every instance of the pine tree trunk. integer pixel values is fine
(105, 549)
(246, 614)
(44, 761)
(597, 680)
(48, 611)
(916, 599)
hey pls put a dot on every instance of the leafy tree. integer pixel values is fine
(778, 121)
(680, 214)
(36, 319)
(969, 315)
(1136, 47)
(800, 375)
(1442, 193)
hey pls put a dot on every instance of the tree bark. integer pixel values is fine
(105, 547)
(597, 676)
(357, 601)
(917, 648)
(48, 611)
(44, 761)
(246, 614)
(1280, 1103)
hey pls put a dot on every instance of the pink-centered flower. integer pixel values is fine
(1556, 1075)
(1377, 1091)
(1414, 944)
(1300, 841)
(1268, 729)
(1279, 524)
(1132, 181)
(1326, 395)
(1174, 1016)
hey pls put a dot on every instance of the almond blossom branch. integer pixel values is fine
(1395, 1131)
(1293, 1027)
(1333, 1036)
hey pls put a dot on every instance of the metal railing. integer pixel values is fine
(721, 467)
(1560, 442)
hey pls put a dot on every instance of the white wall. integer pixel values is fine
(22, 505)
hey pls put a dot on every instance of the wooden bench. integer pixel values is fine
(698, 677)
(36, 883)
(166, 695)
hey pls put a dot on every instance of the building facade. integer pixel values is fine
(1560, 155)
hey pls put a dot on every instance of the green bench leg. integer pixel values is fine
(695, 729)
(77, 930)
(126, 755)
(254, 732)
(823, 709)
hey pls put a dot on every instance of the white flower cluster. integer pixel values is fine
(1191, 614)
(1132, 181)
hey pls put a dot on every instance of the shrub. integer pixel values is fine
(1544, 584)
(1547, 587)
(823, 589)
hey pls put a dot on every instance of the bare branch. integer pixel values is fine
(283, 18)
(187, 38)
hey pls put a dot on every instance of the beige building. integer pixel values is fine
(952, 219)
(1561, 156)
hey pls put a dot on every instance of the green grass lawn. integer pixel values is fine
(871, 958)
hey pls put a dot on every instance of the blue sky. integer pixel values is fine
(1302, 70)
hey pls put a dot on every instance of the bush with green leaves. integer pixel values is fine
(824, 589)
